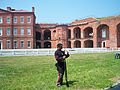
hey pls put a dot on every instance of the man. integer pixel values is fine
(60, 56)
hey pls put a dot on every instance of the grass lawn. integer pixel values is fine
(85, 71)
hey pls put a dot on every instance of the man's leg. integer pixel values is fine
(61, 82)
(60, 76)
(59, 79)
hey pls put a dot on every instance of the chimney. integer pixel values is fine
(33, 9)
(9, 8)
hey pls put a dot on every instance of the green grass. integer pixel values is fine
(107, 17)
(85, 71)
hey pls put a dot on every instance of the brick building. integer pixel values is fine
(18, 30)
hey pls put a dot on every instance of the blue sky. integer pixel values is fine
(65, 11)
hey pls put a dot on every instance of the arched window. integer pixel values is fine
(47, 35)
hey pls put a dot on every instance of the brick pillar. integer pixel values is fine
(82, 33)
(42, 44)
(94, 38)
(42, 35)
(72, 34)
(72, 44)
(82, 44)
(113, 36)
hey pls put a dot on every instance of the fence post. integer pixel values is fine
(0, 53)
(84, 50)
(25, 52)
(38, 52)
(13, 52)
(92, 50)
(112, 49)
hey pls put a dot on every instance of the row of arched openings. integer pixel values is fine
(102, 34)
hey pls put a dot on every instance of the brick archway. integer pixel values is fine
(69, 34)
(77, 33)
(38, 35)
(88, 44)
(118, 35)
(47, 35)
(38, 45)
(47, 44)
(88, 32)
(102, 34)
(77, 44)
(69, 44)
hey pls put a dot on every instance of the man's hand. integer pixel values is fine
(67, 52)
(64, 57)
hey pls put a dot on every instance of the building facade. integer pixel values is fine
(18, 30)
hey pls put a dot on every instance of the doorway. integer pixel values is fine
(103, 44)
(0, 44)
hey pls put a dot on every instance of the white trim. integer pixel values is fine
(7, 43)
(22, 28)
(27, 19)
(1, 20)
(16, 44)
(20, 43)
(1, 31)
(9, 31)
(23, 19)
(28, 28)
(14, 31)
(14, 19)
(7, 19)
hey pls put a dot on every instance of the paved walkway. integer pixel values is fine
(116, 87)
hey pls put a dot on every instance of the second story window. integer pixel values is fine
(21, 31)
(28, 19)
(1, 31)
(15, 31)
(1, 20)
(103, 33)
(8, 31)
(21, 19)
(29, 31)
(15, 19)
(8, 19)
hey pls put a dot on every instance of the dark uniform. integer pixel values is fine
(60, 65)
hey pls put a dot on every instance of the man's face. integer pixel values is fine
(60, 47)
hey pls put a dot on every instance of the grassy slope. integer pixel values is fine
(38, 72)
(107, 17)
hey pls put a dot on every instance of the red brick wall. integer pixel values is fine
(17, 25)
(61, 31)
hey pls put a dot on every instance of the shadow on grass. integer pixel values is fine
(116, 87)
(70, 82)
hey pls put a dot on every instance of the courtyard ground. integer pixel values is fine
(85, 71)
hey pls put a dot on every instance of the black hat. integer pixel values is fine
(59, 44)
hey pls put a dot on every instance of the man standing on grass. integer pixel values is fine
(60, 56)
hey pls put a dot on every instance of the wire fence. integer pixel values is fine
(35, 52)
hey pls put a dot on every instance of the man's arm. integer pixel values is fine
(58, 57)
(67, 55)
